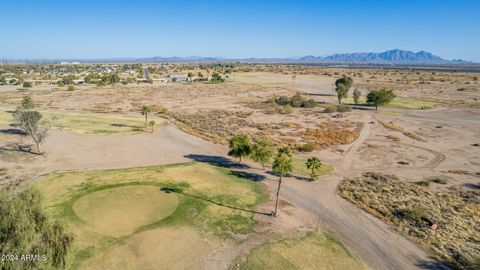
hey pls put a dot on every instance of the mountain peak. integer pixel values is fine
(394, 56)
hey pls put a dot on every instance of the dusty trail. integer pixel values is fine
(368, 237)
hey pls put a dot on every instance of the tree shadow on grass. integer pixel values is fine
(248, 176)
(178, 191)
(217, 161)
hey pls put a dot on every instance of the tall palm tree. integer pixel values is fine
(282, 165)
(144, 111)
(314, 165)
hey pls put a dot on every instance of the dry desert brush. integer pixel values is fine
(445, 222)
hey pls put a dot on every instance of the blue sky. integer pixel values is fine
(103, 29)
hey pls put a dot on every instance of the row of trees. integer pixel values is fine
(374, 97)
(262, 151)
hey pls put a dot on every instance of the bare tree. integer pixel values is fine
(32, 125)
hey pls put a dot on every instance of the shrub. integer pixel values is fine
(308, 147)
(297, 100)
(438, 179)
(344, 108)
(282, 100)
(71, 88)
(414, 214)
(27, 84)
(309, 103)
(284, 109)
(331, 109)
(424, 183)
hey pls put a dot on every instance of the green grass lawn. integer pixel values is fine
(300, 168)
(398, 103)
(317, 250)
(87, 123)
(141, 210)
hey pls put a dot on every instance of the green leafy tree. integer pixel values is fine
(380, 97)
(25, 228)
(342, 92)
(262, 151)
(144, 111)
(345, 80)
(282, 165)
(240, 146)
(314, 164)
(342, 86)
(356, 96)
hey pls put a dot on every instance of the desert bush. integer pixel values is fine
(308, 147)
(415, 213)
(282, 100)
(297, 100)
(284, 109)
(424, 183)
(27, 84)
(343, 108)
(309, 103)
(330, 109)
(71, 88)
(438, 179)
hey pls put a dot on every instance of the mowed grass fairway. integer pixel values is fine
(87, 123)
(151, 218)
(316, 251)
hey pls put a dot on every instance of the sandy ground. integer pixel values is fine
(445, 141)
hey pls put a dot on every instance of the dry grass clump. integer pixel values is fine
(393, 138)
(414, 210)
(459, 171)
(329, 133)
(392, 126)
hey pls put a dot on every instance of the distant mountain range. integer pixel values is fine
(390, 57)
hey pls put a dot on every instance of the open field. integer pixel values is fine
(316, 250)
(106, 209)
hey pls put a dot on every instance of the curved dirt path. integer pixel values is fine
(368, 237)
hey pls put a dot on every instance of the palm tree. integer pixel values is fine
(144, 111)
(314, 165)
(151, 124)
(282, 165)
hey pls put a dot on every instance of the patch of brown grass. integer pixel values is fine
(393, 138)
(392, 126)
(459, 171)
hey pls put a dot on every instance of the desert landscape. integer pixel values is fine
(397, 187)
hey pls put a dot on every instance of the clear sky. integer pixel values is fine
(106, 28)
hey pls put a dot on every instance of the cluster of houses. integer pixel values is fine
(171, 78)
